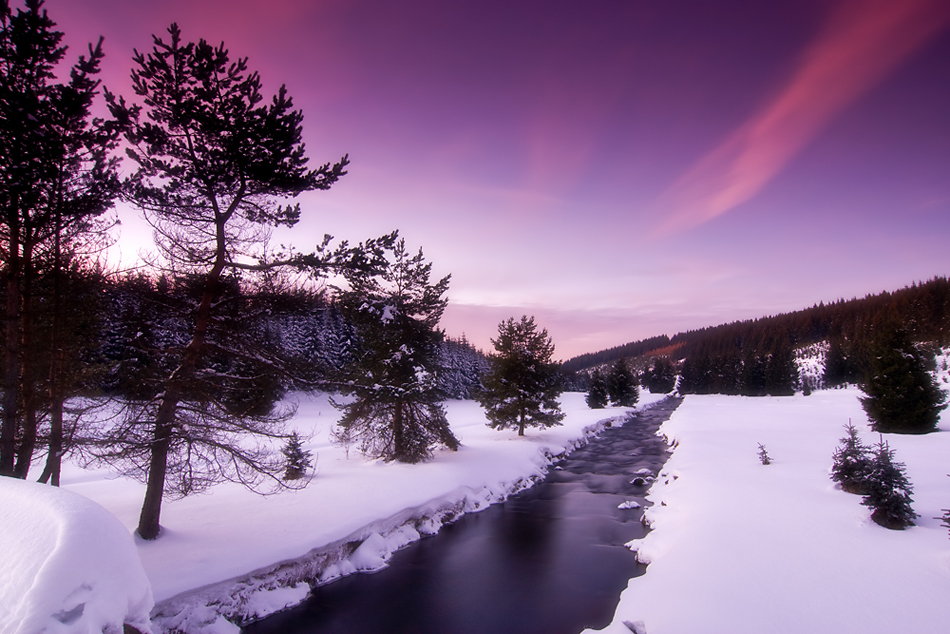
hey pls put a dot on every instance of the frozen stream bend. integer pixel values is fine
(550, 559)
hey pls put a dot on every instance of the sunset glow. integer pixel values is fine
(620, 170)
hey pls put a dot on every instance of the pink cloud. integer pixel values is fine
(861, 43)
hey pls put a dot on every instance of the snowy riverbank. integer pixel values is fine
(223, 535)
(739, 547)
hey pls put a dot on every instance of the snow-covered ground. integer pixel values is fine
(229, 531)
(738, 547)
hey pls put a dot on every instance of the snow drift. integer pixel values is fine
(69, 566)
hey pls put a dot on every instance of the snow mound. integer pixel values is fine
(629, 504)
(69, 566)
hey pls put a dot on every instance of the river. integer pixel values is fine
(550, 559)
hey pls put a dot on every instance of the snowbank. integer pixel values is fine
(68, 565)
(740, 547)
(233, 549)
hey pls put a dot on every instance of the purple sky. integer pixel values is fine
(619, 169)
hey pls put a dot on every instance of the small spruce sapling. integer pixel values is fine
(764, 457)
(851, 463)
(298, 459)
(889, 491)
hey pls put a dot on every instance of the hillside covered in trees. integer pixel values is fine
(757, 356)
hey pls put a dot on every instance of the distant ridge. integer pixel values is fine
(924, 308)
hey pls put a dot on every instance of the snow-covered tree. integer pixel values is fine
(889, 491)
(622, 384)
(462, 368)
(523, 383)
(396, 412)
(902, 396)
(297, 459)
(597, 393)
(851, 463)
(661, 377)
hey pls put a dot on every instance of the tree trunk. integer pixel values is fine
(399, 450)
(149, 526)
(54, 457)
(24, 452)
(11, 388)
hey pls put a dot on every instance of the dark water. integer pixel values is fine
(549, 560)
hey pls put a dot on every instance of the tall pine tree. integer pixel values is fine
(622, 384)
(215, 161)
(397, 411)
(597, 394)
(523, 383)
(902, 396)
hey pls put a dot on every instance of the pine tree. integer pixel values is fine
(661, 377)
(397, 413)
(297, 458)
(622, 384)
(764, 456)
(889, 491)
(781, 371)
(523, 383)
(851, 463)
(57, 175)
(902, 396)
(214, 163)
(754, 375)
(597, 393)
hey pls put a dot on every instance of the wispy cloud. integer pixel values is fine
(861, 42)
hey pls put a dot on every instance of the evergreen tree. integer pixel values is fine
(851, 463)
(57, 176)
(902, 396)
(297, 458)
(840, 367)
(597, 393)
(523, 383)
(781, 371)
(397, 413)
(661, 377)
(754, 375)
(214, 162)
(622, 384)
(889, 491)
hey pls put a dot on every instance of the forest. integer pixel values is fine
(756, 357)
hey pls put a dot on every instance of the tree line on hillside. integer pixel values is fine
(757, 356)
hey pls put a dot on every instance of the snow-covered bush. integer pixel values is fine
(764, 457)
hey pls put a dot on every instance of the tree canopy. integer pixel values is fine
(396, 412)
(523, 383)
